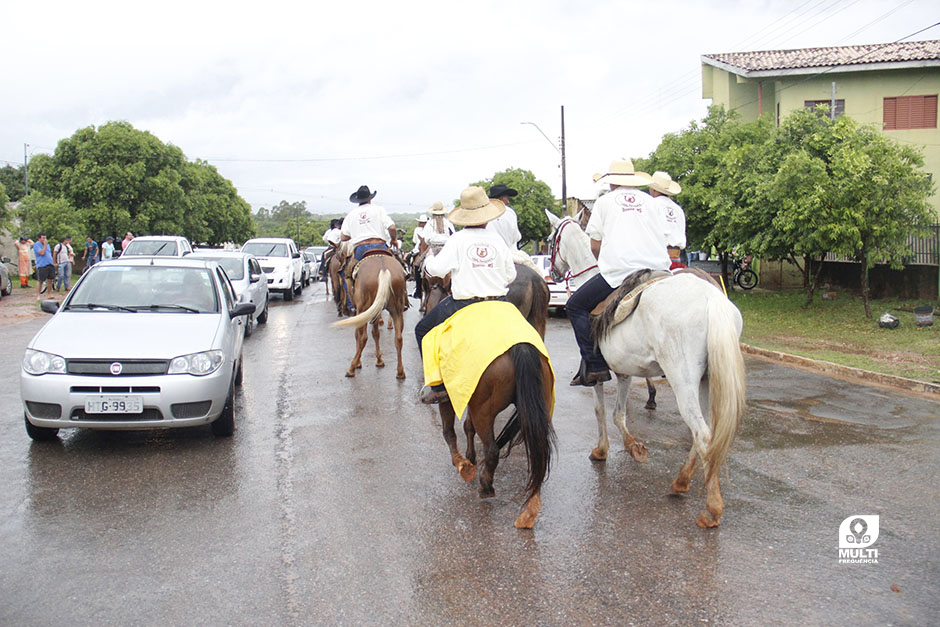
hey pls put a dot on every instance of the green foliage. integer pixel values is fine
(121, 179)
(534, 198)
(291, 220)
(4, 217)
(13, 180)
(53, 216)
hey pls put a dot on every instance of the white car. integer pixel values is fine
(244, 271)
(139, 343)
(281, 262)
(158, 246)
(558, 291)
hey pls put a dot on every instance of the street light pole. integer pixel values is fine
(564, 183)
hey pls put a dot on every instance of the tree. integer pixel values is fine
(122, 179)
(4, 214)
(53, 216)
(534, 198)
(13, 180)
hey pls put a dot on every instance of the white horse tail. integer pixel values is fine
(382, 293)
(726, 380)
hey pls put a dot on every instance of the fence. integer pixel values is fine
(926, 250)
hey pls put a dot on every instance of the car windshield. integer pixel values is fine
(234, 266)
(160, 289)
(151, 248)
(265, 249)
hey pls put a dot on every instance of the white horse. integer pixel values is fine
(683, 328)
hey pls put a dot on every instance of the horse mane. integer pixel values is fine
(603, 323)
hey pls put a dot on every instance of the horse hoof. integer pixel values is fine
(487, 493)
(598, 456)
(359, 366)
(351, 372)
(468, 472)
(639, 452)
(706, 521)
(380, 364)
(650, 405)
(526, 519)
(680, 487)
(400, 375)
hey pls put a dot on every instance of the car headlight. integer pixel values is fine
(38, 362)
(199, 364)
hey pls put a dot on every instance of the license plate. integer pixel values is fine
(114, 405)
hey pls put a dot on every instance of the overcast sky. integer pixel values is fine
(414, 99)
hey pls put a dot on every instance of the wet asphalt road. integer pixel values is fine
(335, 503)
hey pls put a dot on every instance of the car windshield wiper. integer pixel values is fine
(162, 246)
(173, 306)
(100, 306)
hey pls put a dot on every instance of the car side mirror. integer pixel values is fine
(242, 309)
(5, 260)
(49, 306)
(254, 278)
(296, 255)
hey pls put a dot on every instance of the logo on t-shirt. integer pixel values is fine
(671, 215)
(364, 218)
(481, 255)
(628, 202)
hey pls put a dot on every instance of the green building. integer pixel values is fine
(893, 86)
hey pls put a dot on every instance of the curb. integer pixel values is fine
(930, 390)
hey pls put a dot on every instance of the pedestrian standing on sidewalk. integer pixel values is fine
(90, 256)
(23, 246)
(64, 258)
(45, 267)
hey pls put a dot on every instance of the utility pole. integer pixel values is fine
(832, 105)
(25, 169)
(564, 182)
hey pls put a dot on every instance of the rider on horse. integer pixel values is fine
(479, 262)
(627, 234)
(367, 227)
(332, 238)
(662, 188)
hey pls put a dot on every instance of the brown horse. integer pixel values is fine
(379, 285)
(520, 376)
(339, 292)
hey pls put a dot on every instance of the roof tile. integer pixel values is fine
(831, 56)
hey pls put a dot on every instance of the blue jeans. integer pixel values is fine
(444, 310)
(579, 313)
(63, 275)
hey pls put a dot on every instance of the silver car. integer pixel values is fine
(138, 343)
(157, 246)
(244, 271)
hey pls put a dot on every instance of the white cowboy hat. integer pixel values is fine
(475, 208)
(622, 173)
(422, 218)
(437, 209)
(664, 184)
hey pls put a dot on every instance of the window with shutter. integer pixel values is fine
(910, 112)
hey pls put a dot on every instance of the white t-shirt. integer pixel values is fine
(333, 236)
(507, 226)
(63, 253)
(479, 261)
(435, 238)
(366, 222)
(675, 221)
(418, 234)
(107, 250)
(632, 234)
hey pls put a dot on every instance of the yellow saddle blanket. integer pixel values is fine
(457, 351)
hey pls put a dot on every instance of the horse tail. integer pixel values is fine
(382, 293)
(538, 435)
(726, 380)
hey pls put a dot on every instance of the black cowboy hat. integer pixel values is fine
(362, 195)
(502, 190)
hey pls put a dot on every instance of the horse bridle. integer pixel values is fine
(555, 238)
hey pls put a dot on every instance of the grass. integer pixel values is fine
(838, 331)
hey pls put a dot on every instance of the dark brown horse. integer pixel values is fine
(520, 376)
(379, 285)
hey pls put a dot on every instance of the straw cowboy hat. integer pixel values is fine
(362, 195)
(422, 218)
(622, 173)
(475, 208)
(664, 184)
(437, 209)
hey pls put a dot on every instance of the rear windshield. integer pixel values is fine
(262, 249)
(234, 266)
(151, 248)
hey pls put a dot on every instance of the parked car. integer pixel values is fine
(317, 253)
(244, 271)
(6, 282)
(139, 343)
(558, 291)
(158, 246)
(281, 263)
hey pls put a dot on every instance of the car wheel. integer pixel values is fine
(263, 318)
(224, 425)
(300, 287)
(40, 434)
(289, 292)
(238, 373)
(8, 288)
(249, 326)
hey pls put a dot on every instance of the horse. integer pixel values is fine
(379, 285)
(686, 329)
(339, 292)
(586, 268)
